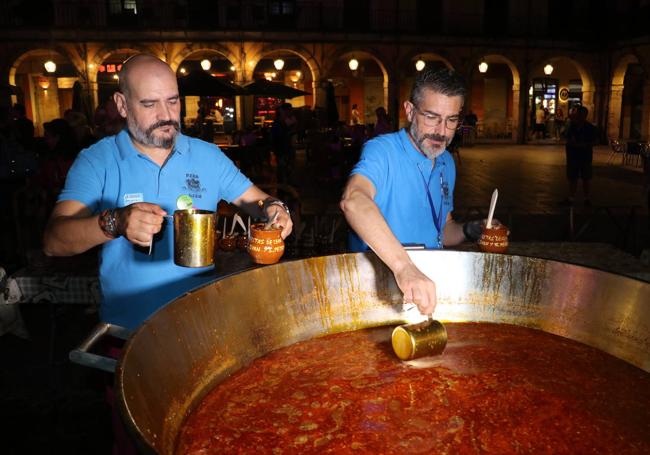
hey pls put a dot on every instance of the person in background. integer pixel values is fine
(540, 119)
(559, 123)
(282, 131)
(79, 124)
(400, 174)
(469, 133)
(580, 138)
(382, 126)
(23, 127)
(355, 116)
(62, 149)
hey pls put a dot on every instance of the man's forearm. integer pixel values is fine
(363, 215)
(453, 234)
(67, 236)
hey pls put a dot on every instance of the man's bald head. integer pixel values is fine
(138, 65)
(149, 101)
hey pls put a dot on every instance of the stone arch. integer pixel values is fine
(195, 48)
(23, 55)
(389, 85)
(588, 85)
(500, 58)
(306, 56)
(100, 57)
(511, 127)
(350, 51)
(44, 104)
(618, 74)
(581, 68)
(410, 57)
(616, 88)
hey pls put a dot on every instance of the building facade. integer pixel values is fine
(598, 54)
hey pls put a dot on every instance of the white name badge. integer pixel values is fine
(132, 198)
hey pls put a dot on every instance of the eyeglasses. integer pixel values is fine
(433, 120)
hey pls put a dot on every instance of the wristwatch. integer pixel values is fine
(108, 223)
(279, 203)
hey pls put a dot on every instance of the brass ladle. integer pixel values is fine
(423, 339)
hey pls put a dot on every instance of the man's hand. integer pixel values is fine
(474, 229)
(139, 222)
(283, 218)
(417, 288)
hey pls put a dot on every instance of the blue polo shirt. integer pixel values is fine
(113, 173)
(401, 175)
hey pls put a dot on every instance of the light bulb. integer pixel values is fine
(50, 66)
(419, 65)
(206, 64)
(353, 64)
(278, 63)
(483, 67)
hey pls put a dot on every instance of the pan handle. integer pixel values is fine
(88, 359)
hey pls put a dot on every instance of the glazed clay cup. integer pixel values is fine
(494, 240)
(228, 243)
(265, 245)
(242, 242)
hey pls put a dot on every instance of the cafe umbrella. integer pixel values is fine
(262, 87)
(201, 83)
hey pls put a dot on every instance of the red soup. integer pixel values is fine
(496, 389)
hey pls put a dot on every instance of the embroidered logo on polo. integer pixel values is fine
(193, 186)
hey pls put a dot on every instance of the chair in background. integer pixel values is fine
(633, 154)
(617, 149)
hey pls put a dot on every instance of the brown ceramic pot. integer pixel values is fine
(265, 245)
(228, 243)
(494, 240)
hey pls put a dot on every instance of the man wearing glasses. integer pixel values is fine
(401, 190)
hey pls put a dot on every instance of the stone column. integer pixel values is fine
(391, 99)
(516, 90)
(319, 94)
(588, 102)
(645, 115)
(614, 111)
(522, 110)
(240, 106)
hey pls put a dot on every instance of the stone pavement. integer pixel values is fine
(531, 178)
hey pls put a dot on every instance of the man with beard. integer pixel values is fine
(401, 190)
(120, 191)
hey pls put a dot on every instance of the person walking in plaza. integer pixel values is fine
(401, 190)
(540, 122)
(119, 192)
(580, 139)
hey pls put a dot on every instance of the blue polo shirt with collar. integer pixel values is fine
(401, 174)
(113, 173)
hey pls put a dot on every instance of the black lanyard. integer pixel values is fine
(437, 217)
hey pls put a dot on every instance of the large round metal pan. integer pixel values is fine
(196, 341)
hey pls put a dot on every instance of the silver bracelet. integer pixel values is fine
(279, 203)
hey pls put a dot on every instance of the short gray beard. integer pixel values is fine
(431, 154)
(147, 138)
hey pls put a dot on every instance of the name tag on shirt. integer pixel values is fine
(132, 198)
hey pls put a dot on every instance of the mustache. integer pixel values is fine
(434, 137)
(162, 123)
